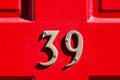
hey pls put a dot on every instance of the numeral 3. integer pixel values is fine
(51, 46)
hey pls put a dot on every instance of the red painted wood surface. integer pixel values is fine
(21, 49)
(7, 4)
(111, 4)
(10, 8)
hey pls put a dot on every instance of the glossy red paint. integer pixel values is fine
(21, 49)
(99, 11)
(9, 4)
(110, 4)
(10, 8)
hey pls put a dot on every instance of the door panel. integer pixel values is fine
(22, 48)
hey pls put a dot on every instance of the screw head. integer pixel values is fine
(66, 40)
(45, 33)
(76, 59)
(54, 56)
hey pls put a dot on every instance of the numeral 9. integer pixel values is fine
(50, 45)
(78, 49)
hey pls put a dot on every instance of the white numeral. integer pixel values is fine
(78, 49)
(51, 46)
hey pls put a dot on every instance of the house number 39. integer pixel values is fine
(50, 45)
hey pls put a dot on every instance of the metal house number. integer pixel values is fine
(50, 45)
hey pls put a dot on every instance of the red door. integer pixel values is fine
(22, 46)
